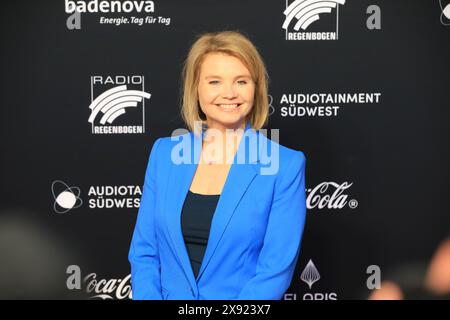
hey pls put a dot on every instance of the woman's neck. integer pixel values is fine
(220, 144)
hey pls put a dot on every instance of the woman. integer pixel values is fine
(219, 227)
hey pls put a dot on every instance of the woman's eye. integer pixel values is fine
(242, 82)
(214, 82)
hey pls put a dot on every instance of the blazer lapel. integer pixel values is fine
(239, 178)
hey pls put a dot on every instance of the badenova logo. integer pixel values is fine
(130, 11)
(107, 6)
(322, 104)
(300, 15)
(119, 100)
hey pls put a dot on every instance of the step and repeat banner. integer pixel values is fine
(361, 87)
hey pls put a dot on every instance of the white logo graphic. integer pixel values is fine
(271, 107)
(306, 12)
(99, 197)
(445, 14)
(105, 289)
(321, 197)
(108, 289)
(113, 102)
(66, 198)
(310, 275)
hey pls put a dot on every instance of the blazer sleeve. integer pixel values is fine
(279, 253)
(143, 255)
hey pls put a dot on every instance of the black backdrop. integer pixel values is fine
(393, 151)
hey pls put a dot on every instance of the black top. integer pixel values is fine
(196, 218)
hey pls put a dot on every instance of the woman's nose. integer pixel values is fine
(228, 91)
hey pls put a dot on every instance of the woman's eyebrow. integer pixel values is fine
(239, 76)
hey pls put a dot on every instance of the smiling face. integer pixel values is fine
(225, 91)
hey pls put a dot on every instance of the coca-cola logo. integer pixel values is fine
(104, 289)
(108, 289)
(330, 195)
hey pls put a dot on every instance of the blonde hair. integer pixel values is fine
(235, 44)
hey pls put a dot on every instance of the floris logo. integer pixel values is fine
(310, 275)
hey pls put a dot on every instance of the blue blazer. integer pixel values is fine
(255, 234)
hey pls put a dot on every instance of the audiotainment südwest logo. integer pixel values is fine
(97, 197)
(323, 104)
(66, 198)
(445, 12)
(300, 15)
(114, 96)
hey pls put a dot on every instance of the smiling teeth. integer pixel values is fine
(228, 106)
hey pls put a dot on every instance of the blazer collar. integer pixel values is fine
(238, 180)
